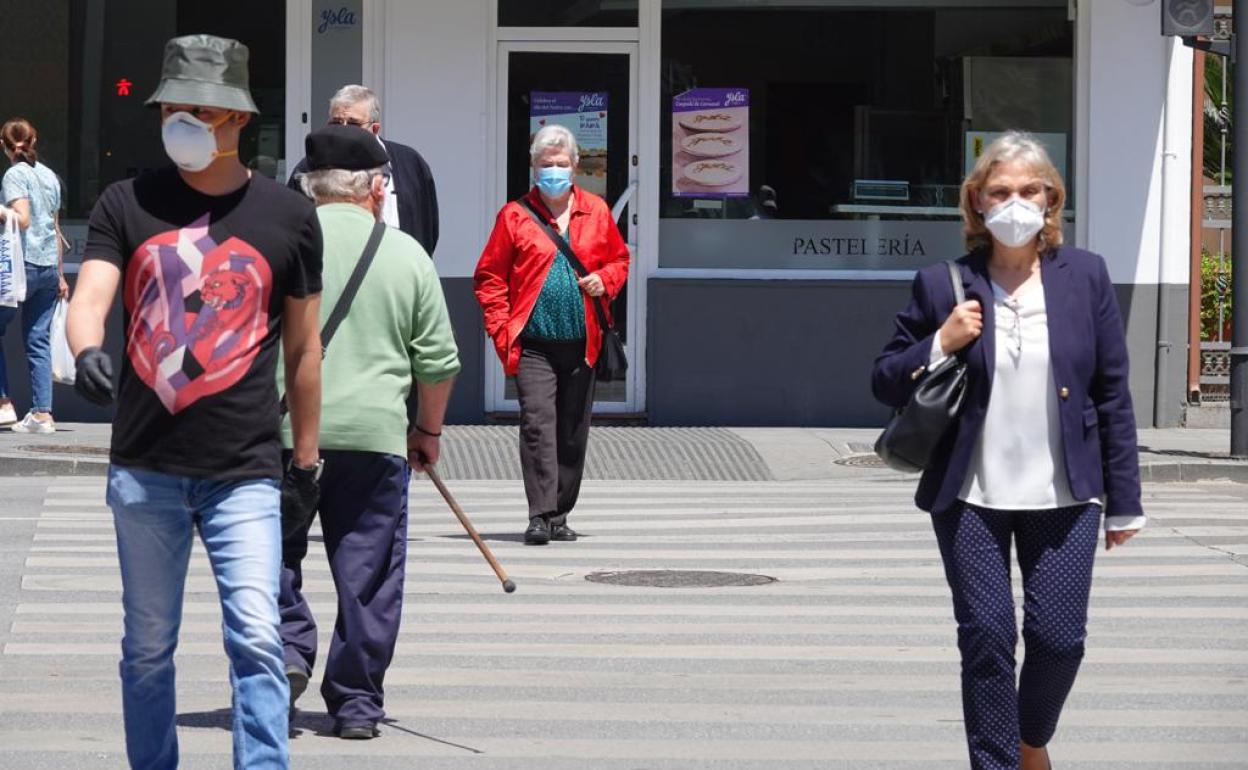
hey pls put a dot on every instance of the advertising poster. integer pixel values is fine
(711, 143)
(584, 113)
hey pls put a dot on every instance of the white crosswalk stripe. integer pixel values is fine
(847, 660)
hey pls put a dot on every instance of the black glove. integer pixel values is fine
(301, 492)
(94, 378)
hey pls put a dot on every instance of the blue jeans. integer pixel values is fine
(42, 284)
(155, 515)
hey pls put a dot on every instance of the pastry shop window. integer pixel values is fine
(567, 13)
(836, 134)
(80, 72)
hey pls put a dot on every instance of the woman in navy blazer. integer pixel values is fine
(1045, 443)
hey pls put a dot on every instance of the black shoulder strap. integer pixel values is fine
(353, 286)
(955, 275)
(343, 305)
(562, 244)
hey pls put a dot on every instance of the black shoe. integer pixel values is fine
(298, 679)
(562, 533)
(538, 532)
(360, 731)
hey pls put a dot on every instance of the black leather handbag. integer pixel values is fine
(612, 364)
(915, 429)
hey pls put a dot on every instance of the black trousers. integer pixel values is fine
(363, 512)
(556, 389)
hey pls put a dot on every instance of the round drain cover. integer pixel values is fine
(671, 578)
(861, 461)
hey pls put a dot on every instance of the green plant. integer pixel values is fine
(1217, 119)
(1215, 296)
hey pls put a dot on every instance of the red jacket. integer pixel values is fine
(519, 255)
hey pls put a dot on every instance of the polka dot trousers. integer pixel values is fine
(1056, 549)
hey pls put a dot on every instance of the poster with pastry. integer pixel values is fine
(711, 143)
(584, 113)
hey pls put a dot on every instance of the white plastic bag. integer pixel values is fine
(63, 369)
(12, 266)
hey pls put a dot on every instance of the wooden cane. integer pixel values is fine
(508, 585)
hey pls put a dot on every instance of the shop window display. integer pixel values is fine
(857, 117)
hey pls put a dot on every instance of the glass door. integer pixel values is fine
(592, 89)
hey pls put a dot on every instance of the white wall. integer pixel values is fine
(434, 98)
(1132, 72)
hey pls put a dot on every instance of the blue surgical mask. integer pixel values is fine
(554, 181)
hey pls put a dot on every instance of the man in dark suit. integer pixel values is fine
(411, 199)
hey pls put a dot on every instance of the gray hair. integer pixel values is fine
(349, 96)
(338, 184)
(554, 136)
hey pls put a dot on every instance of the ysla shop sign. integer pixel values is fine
(336, 18)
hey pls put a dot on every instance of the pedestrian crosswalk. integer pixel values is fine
(848, 660)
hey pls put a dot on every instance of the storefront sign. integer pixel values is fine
(584, 113)
(337, 49)
(711, 143)
(335, 18)
(773, 244)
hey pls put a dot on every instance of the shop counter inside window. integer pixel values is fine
(852, 126)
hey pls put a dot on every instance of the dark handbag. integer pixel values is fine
(914, 431)
(612, 364)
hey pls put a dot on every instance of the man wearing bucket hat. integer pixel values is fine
(214, 265)
(395, 336)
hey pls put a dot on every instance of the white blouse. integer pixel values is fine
(1019, 461)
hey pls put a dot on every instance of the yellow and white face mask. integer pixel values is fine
(190, 142)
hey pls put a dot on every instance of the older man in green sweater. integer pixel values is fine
(395, 332)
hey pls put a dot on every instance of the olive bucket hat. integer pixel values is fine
(205, 71)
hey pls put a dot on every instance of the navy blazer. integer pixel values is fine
(413, 187)
(1088, 354)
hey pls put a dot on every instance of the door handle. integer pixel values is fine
(618, 208)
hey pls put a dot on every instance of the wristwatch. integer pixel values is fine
(313, 473)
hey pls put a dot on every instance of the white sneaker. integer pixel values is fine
(8, 415)
(32, 424)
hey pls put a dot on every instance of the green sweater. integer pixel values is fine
(397, 329)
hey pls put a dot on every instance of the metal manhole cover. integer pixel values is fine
(671, 578)
(861, 461)
(50, 449)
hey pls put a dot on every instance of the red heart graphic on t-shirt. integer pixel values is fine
(198, 313)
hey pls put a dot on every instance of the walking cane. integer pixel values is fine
(508, 585)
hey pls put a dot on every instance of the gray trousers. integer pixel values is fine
(556, 389)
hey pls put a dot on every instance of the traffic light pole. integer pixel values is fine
(1239, 236)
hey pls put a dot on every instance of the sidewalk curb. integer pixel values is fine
(52, 466)
(1157, 472)
(1190, 473)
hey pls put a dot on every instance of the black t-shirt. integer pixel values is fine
(204, 280)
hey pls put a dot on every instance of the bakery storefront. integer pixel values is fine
(780, 169)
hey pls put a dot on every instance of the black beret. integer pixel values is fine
(345, 147)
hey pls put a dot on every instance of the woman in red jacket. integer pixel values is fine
(538, 312)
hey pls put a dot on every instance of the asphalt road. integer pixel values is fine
(846, 661)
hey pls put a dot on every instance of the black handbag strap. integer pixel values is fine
(343, 305)
(353, 286)
(561, 243)
(955, 275)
